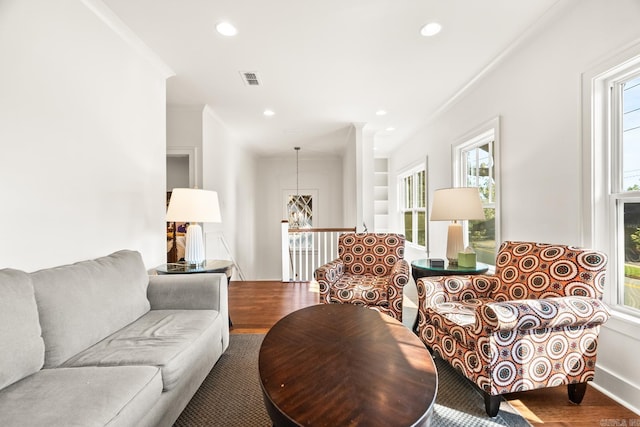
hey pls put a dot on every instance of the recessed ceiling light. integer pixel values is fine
(431, 29)
(269, 113)
(390, 129)
(381, 113)
(226, 29)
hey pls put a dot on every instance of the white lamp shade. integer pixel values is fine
(193, 205)
(456, 204)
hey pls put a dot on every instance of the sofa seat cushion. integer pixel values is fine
(167, 339)
(21, 346)
(361, 289)
(457, 318)
(81, 397)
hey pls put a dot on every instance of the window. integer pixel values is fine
(611, 116)
(624, 197)
(299, 209)
(475, 165)
(413, 186)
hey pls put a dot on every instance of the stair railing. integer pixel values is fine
(305, 249)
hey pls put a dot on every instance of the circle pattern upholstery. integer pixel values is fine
(370, 253)
(370, 271)
(535, 321)
(546, 270)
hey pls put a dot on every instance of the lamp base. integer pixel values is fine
(455, 243)
(194, 245)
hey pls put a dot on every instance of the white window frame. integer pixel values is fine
(413, 171)
(482, 134)
(602, 165)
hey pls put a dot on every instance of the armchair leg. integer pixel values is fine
(576, 392)
(492, 404)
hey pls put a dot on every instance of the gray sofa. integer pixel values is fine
(101, 342)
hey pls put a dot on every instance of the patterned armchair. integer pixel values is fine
(370, 270)
(533, 324)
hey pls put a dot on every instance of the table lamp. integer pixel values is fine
(456, 204)
(193, 205)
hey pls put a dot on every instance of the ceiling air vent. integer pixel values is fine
(250, 78)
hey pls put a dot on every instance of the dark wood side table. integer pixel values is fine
(420, 268)
(345, 365)
(209, 266)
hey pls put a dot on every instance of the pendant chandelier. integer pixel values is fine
(296, 205)
(297, 171)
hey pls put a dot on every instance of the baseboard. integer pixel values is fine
(619, 389)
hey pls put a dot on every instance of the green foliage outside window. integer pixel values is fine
(478, 164)
(408, 226)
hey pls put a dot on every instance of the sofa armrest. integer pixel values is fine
(326, 275)
(438, 289)
(202, 291)
(557, 312)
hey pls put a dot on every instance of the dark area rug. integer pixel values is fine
(231, 395)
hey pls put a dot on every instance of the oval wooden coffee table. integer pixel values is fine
(345, 365)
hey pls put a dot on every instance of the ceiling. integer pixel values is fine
(325, 64)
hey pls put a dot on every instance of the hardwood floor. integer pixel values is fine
(256, 306)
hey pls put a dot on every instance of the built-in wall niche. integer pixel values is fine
(381, 194)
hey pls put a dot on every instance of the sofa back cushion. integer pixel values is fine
(372, 254)
(540, 270)
(82, 303)
(21, 347)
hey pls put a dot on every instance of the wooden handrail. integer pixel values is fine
(322, 230)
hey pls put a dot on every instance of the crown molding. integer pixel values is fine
(199, 108)
(112, 21)
(526, 35)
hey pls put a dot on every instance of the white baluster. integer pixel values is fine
(286, 266)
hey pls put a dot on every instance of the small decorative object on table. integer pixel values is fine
(467, 258)
(435, 262)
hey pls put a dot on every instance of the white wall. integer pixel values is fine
(223, 165)
(177, 172)
(184, 135)
(319, 172)
(229, 169)
(82, 137)
(349, 181)
(536, 92)
(364, 171)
